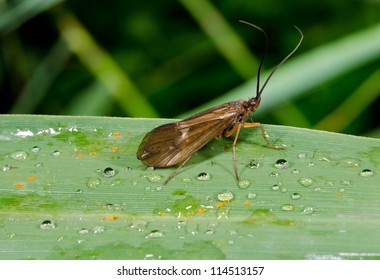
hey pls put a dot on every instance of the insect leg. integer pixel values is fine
(254, 124)
(176, 171)
(238, 127)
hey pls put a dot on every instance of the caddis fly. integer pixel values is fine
(176, 142)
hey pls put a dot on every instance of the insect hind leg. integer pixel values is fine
(177, 170)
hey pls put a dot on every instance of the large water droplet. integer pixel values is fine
(47, 224)
(244, 184)
(306, 182)
(19, 155)
(109, 172)
(155, 234)
(225, 196)
(366, 173)
(281, 164)
(276, 187)
(203, 176)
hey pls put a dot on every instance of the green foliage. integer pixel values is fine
(72, 188)
(172, 58)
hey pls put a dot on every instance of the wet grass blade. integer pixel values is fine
(72, 188)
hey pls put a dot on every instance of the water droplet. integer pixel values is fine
(308, 210)
(153, 177)
(306, 182)
(99, 229)
(244, 184)
(287, 207)
(281, 164)
(344, 182)
(155, 234)
(6, 168)
(284, 190)
(251, 195)
(296, 196)
(209, 232)
(301, 156)
(139, 225)
(310, 164)
(274, 174)
(83, 231)
(93, 183)
(225, 196)
(35, 149)
(348, 163)
(211, 163)
(56, 153)
(116, 183)
(276, 187)
(366, 173)
(203, 176)
(19, 155)
(295, 171)
(39, 164)
(254, 164)
(186, 180)
(109, 172)
(11, 235)
(47, 224)
(224, 213)
(79, 191)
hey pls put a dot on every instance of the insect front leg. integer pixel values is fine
(255, 124)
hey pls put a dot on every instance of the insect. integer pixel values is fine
(176, 142)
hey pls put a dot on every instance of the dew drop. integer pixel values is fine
(155, 234)
(35, 149)
(244, 184)
(251, 195)
(209, 232)
(254, 164)
(276, 187)
(19, 155)
(281, 164)
(109, 172)
(287, 207)
(224, 213)
(153, 177)
(98, 229)
(56, 153)
(306, 182)
(93, 183)
(6, 168)
(296, 196)
(301, 156)
(39, 164)
(366, 173)
(203, 176)
(47, 224)
(308, 210)
(295, 171)
(274, 174)
(225, 196)
(139, 225)
(83, 231)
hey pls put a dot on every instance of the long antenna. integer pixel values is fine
(258, 90)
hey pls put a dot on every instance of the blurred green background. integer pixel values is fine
(172, 58)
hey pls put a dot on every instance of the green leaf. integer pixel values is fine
(72, 188)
